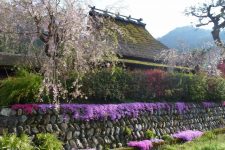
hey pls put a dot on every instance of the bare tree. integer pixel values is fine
(70, 39)
(213, 13)
(208, 57)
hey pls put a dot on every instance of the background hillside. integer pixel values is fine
(188, 37)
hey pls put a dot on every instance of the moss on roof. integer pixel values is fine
(140, 43)
(139, 34)
(136, 41)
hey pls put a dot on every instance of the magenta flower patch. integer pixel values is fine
(187, 135)
(156, 141)
(141, 145)
(208, 104)
(181, 107)
(27, 108)
(109, 111)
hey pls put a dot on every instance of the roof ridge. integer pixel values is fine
(117, 16)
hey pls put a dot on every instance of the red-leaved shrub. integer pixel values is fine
(156, 82)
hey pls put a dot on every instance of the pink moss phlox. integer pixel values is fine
(141, 145)
(44, 107)
(181, 106)
(27, 108)
(208, 104)
(156, 141)
(187, 135)
(223, 104)
(111, 111)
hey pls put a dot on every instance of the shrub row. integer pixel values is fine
(109, 86)
(115, 85)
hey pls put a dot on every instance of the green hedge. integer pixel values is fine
(23, 88)
(106, 85)
(116, 85)
(186, 87)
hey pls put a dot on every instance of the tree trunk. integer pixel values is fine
(216, 37)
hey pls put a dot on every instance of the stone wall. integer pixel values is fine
(80, 134)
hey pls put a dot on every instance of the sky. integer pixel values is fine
(161, 16)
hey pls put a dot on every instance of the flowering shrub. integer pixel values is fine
(187, 135)
(223, 104)
(141, 145)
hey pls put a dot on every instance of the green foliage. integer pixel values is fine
(137, 87)
(169, 87)
(47, 141)
(168, 147)
(209, 141)
(113, 85)
(23, 88)
(117, 85)
(211, 147)
(126, 148)
(150, 134)
(194, 88)
(12, 142)
(174, 86)
(168, 139)
(219, 131)
(187, 87)
(216, 88)
(127, 131)
(208, 136)
(106, 84)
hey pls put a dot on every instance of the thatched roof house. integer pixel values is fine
(137, 51)
(140, 45)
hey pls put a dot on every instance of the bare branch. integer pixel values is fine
(203, 24)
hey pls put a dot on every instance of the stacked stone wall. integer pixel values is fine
(80, 134)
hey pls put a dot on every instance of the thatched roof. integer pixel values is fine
(140, 45)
